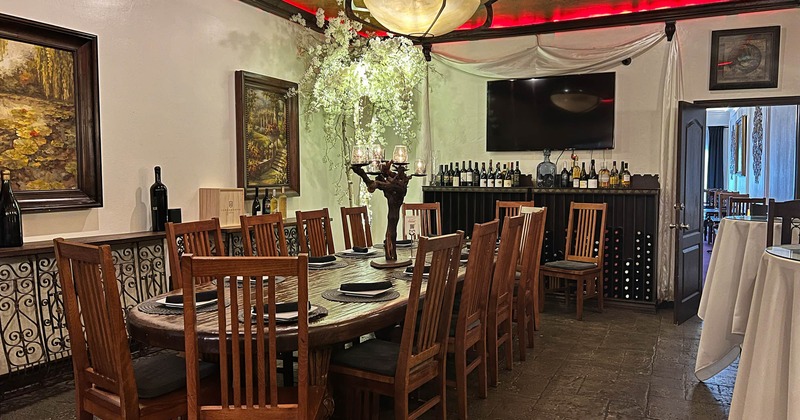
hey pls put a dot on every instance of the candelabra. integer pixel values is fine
(391, 178)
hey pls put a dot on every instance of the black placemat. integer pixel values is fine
(401, 275)
(356, 255)
(331, 266)
(154, 308)
(314, 315)
(334, 295)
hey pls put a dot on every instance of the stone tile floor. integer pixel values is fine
(620, 364)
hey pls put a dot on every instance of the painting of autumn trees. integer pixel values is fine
(37, 116)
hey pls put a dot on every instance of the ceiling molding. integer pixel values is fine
(285, 10)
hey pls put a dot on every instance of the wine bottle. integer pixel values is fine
(158, 202)
(450, 175)
(626, 177)
(484, 177)
(282, 203)
(469, 177)
(613, 180)
(265, 203)
(10, 215)
(457, 177)
(584, 180)
(490, 176)
(463, 181)
(517, 173)
(273, 202)
(592, 181)
(476, 176)
(256, 207)
(604, 178)
(498, 176)
(508, 182)
(576, 174)
(566, 177)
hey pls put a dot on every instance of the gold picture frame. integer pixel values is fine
(741, 145)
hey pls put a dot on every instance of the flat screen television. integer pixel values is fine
(561, 112)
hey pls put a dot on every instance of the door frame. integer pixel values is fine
(762, 101)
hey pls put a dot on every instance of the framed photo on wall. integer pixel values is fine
(50, 115)
(267, 127)
(745, 58)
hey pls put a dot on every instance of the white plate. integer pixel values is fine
(321, 264)
(164, 302)
(363, 293)
(351, 252)
(286, 316)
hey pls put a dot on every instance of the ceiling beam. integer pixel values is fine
(286, 11)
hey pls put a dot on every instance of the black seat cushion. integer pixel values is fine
(377, 356)
(571, 265)
(163, 373)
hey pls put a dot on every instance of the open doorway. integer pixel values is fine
(750, 150)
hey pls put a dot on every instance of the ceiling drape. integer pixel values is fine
(547, 60)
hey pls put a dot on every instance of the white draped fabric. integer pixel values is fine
(541, 60)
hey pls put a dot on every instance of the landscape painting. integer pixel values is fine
(38, 116)
(266, 133)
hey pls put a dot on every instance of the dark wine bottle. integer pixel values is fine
(566, 177)
(584, 182)
(484, 178)
(517, 173)
(592, 177)
(457, 177)
(158, 202)
(476, 176)
(265, 203)
(10, 215)
(256, 205)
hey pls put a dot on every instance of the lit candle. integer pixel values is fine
(400, 154)
(378, 153)
(359, 155)
(419, 167)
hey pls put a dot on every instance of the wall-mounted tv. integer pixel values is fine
(561, 112)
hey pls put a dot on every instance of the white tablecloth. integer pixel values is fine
(725, 303)
(768, 382)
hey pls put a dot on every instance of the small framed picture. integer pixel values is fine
(745, 58)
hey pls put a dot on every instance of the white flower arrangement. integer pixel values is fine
(362, 85)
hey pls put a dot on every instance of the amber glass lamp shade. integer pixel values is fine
(415, 17)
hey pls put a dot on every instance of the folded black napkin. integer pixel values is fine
(464, 256)
(365, 287)
(199, 297)
(426, 270)
(327, 258)
(360, 249)
(282, 307)
(401, 242)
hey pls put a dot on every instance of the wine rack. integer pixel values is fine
(630, 241)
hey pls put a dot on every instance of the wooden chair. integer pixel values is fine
(469, 329)
(200, 238)
(789, 212)
(740, 206)
(526, 295)
(509, 208)
(501, 297)
(722, 201)
(314, 232)
(267, 232)
(378, 367)
(580, 262)
(356, 220)
(430, 215)
(252, 369)
(107, 382)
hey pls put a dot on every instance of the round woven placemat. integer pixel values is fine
(334, 295)
(154, 308)
(356, 255)
(332, 266)
(312, 316)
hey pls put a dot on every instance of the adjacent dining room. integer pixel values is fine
(393, 209)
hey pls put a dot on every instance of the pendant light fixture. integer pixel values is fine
(422, 18)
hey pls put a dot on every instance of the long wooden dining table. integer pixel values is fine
(344, 321)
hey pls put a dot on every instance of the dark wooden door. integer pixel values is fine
(687, 222)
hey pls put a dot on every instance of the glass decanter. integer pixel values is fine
(546, 172)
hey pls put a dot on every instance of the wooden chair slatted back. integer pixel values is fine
(584, 230)
(789, 212)
(240, 363)
(478, 276)
(427, 339)
(430, 215)
(99, 342)
(531, 249)
(314, 232)
(740, 206)
(200, 238)
(266, 231)
(355, 224)
(722, 200)
(502, 292)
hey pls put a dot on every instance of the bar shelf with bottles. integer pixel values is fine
(631, 221)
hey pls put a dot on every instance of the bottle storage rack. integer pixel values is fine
(630, 248)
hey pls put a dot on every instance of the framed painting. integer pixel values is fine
(49, 115)
(745, 58)
(741, 145)
(267, 127)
